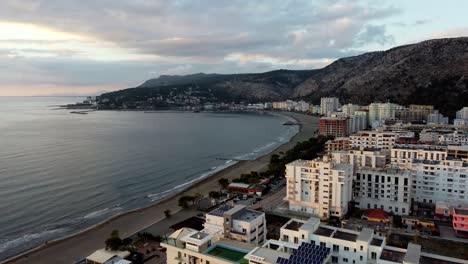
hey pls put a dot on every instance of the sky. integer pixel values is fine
(87, 47)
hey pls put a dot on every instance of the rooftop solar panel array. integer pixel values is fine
(307, 254)
(221, 210)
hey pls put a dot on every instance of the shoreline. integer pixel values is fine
(131, 222)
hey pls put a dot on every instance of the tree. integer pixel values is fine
(185, 201)
(214, 195)
(114, 242)
(223, 182)
(167, 213)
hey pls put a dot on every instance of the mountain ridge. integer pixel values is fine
(429, 72)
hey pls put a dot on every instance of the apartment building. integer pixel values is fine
(337, 144)
(189, 246)
(444, 180)
(237, 223)
(357, 123)
(462, 113)
(373, 139)
(460, 221)
(319, 187)
(369, 158)
(334, 126)
(403, 155)
(356, 247)
(328, 105)
(381, 111)
(350, 109)
(388, 189)
(437, 118)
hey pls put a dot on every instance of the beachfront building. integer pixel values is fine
(319, 187)
(237, 223)
(189, 246)
(388, 189)
(329, 105)
(104, 256)
(334, 126)
(373, 140)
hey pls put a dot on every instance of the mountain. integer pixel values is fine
(430, 72)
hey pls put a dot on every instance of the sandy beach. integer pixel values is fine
(84, 243)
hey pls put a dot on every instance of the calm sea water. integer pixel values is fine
(62, 172)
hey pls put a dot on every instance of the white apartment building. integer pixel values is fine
(357, 123)
(349, 109)
(373, 139)
(403, 155)
(328, 105)
(381, 111)
(319, 187)
(387, 189)
(462, 113)
(347, 246)
(455, 138)
(440, 181)
(437, 118)
(460, 122)
(237, 223)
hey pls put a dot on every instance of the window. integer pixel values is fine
(346, 248)
(334, 259)
(374, 255)
(360, 258)
(362, 248)
(323, 244)
(345, 260)
(336, 248)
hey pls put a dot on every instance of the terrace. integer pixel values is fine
(345, 236)
(392, 255)
(376, 242)
(322, 231)
(293, 225)
(227, 253)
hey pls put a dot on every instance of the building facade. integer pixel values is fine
(328, 105)
(334, 126)
(373, 139)
(319, 187)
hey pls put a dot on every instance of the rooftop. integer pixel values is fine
(322, 231)
(376, 242)
(293, 225)
(461, 211)
(248, 215)
(221, 210)
(429, 260)
(199, 235)
(267, 254)
(392, 255)
(345, 236)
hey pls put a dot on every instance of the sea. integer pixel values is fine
(61, 172)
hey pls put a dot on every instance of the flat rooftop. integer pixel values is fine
(376, 242)
(268, 255)
(392, 255)
(322, 231)
(345, 236)
(429, 260)
(221, 210)
(294, 225)
(461, 211)
(248, 215)
(199, 235)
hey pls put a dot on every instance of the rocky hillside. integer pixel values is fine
(431, 72)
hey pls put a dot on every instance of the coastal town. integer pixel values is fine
(384, 184)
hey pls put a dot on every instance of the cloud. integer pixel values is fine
(92, 43)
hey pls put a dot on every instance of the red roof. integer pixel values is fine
(377, 214)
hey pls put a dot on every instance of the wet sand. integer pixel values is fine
(79, 246)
